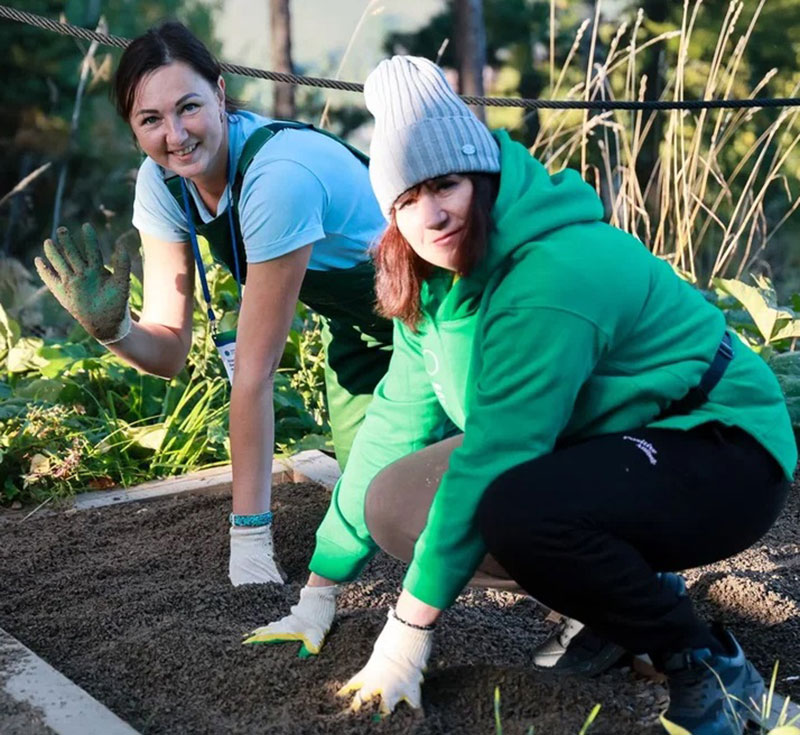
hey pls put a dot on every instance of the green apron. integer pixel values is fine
(357, 342)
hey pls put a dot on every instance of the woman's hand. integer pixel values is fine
(394, 672)
(308, 621)
(78, 278)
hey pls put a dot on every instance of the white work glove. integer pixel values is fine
(308, 621)
(252, 558)
(394, 670)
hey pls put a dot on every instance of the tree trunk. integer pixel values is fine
(657, 11)
(280, 23)
(470, 48)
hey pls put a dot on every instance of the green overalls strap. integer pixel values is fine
(357, 341)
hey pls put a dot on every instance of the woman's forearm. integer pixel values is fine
(411, 610)
(252, 433)
(154, 349)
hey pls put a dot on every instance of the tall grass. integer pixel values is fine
(696, 207)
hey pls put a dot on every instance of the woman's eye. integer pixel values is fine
(149, 120)
(190, 107)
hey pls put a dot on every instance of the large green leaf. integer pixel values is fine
(9, 331)
(760, 302)
(24, 355)
(149, 437)
(786, 330)
(41, 389)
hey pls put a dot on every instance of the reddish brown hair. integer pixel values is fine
(399, 271)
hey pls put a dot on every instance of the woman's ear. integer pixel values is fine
(221, 91)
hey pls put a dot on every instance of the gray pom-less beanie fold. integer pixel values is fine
(422, 129)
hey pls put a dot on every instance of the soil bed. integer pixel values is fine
(132, 603)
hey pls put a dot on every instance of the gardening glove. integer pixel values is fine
(95, 296)
(394, 670)
(308, 621)
(252, 559)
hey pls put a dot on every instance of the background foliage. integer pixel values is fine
(716, 193)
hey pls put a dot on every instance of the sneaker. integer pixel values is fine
(712, 694)
(575, 650)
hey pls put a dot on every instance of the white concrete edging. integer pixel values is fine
(63, 706)
(309, 466)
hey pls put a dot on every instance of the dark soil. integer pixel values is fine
(133, 603)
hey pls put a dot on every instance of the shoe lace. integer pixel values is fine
(695, 687)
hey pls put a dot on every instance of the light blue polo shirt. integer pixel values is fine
(300, 188)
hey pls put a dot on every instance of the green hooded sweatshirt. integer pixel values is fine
(568, 328)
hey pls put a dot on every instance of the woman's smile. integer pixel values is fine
(451, 238)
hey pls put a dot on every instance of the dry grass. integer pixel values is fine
(696, 208)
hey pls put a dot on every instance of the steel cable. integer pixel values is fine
(66, 29)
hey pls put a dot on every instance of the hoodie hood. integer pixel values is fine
(530, 203)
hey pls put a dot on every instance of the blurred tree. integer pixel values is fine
(41, 71)
(280, 26)
(470, 48)
(517, 34)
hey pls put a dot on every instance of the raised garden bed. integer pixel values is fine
(131, 601)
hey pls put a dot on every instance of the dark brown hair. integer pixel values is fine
(399, 271)
(161, 45)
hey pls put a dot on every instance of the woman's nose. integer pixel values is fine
(434, 217)
(176, 133)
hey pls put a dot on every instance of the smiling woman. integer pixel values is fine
(288, 209)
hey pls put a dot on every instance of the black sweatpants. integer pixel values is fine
(585, 529)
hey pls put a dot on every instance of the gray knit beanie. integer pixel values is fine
(422, 129)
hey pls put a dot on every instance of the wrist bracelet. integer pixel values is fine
(412, 625)
(257, 519)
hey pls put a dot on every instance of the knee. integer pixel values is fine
(383, 507)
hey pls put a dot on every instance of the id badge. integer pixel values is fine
(226, 346)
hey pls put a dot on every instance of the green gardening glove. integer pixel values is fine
(95, 296)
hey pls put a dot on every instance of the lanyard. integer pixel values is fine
(196, 247)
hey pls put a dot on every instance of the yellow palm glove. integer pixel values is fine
(308, 621)
(395, 669)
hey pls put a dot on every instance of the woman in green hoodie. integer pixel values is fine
(612, 430)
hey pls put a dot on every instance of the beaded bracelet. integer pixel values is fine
(258, 519)
(412, 625)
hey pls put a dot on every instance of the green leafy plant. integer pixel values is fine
(773, 323)
(768, 328)
(75, 417)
